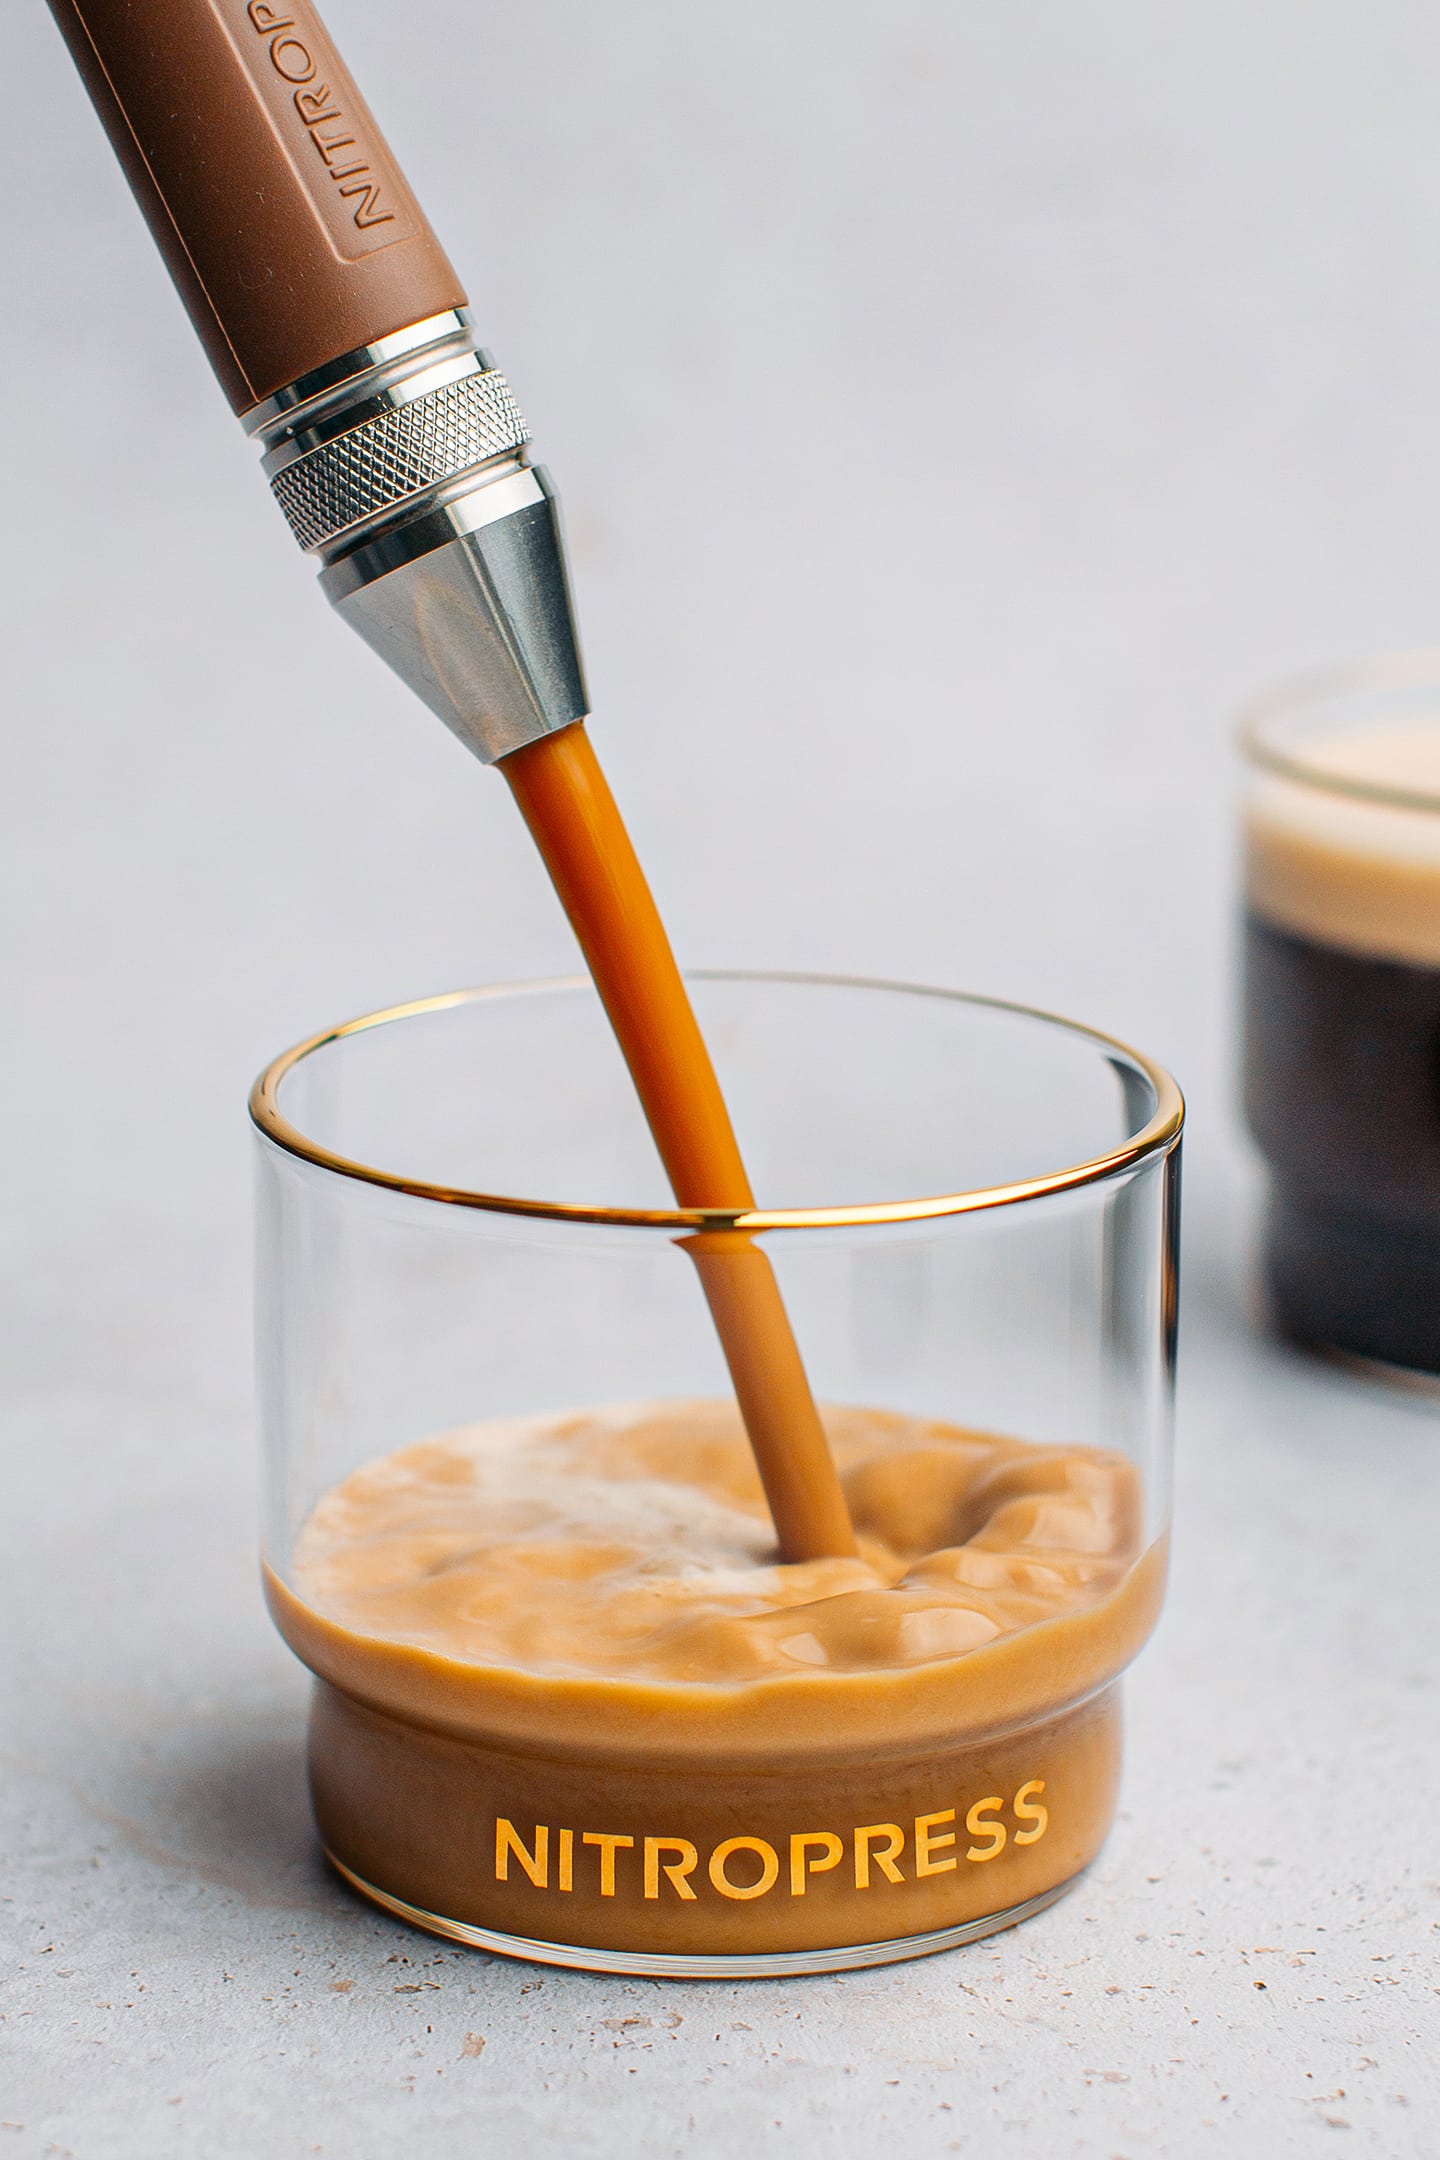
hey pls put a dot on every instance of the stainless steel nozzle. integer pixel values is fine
(402, 467)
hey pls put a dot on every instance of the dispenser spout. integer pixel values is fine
(403, 470)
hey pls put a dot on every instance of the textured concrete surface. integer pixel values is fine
(1007, 392)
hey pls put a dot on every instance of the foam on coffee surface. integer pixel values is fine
(636, 1541)
(1345, 871)
(620, 1561)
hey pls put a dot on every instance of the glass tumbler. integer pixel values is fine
(1342, 1003)
(468, 1260)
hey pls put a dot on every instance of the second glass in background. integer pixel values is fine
(1342, 1003)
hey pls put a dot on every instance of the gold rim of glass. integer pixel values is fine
(1319, 687)
(1157, 1136)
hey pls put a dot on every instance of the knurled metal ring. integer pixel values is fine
(400, 452)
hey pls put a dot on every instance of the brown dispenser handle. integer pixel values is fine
(277, 204)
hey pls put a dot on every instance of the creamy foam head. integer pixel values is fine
(634, 1542)
(1344, 870)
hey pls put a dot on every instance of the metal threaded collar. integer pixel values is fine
(368, 470)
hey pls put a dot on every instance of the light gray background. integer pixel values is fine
(957, 409)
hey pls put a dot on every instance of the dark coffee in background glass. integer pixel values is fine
(1342, 1005)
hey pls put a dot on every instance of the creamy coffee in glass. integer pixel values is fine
(572, 1700)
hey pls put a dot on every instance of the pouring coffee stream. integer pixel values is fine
(566, 802)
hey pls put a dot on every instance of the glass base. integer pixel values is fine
(1361, 1285)
(723, 1865)
(767, 1965)
(1407, 1379)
